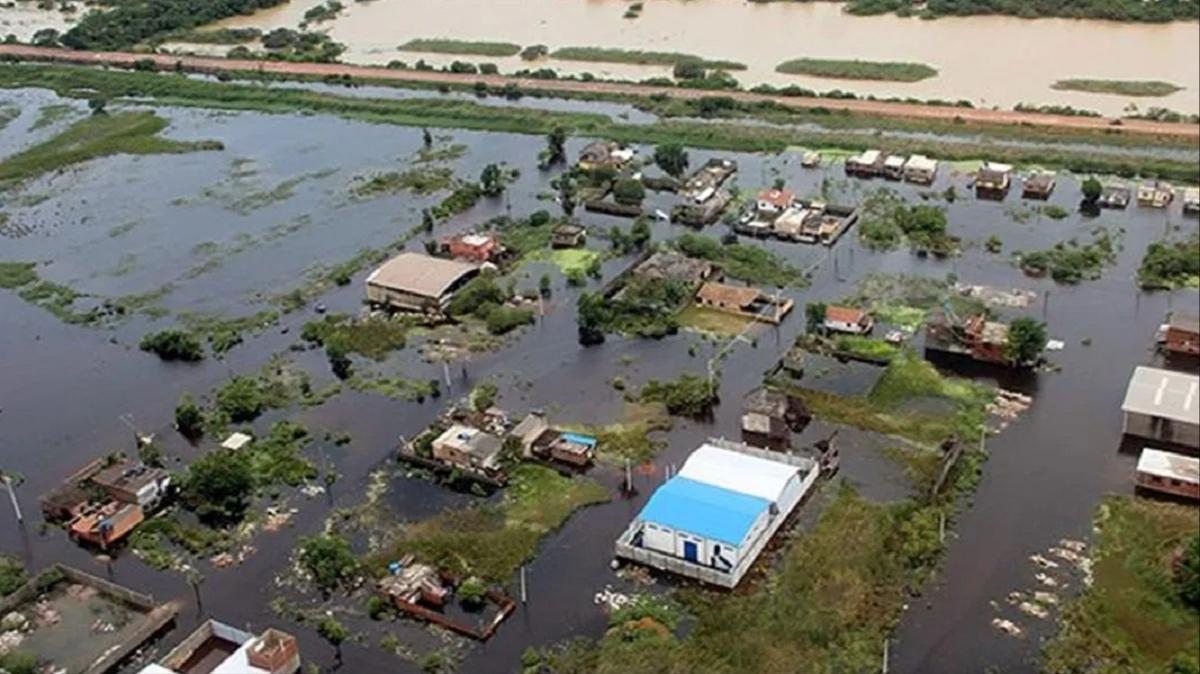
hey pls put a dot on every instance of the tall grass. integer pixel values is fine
(858, 70)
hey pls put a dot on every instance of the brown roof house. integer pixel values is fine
(416, 282)
(772, 202)
(1039, 185)
(568, 236)
(672, 266)
(847, 319)
(770, 416)
(604, 154)
(742, 301)
(130, 482)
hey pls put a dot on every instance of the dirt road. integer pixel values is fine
(875, 108)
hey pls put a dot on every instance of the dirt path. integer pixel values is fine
(877, 108)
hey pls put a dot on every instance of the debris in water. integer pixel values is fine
(1035, 610)
(1043, 562)
(610, 598)
(1046, 598)
(1045, 580)
(1008, 627)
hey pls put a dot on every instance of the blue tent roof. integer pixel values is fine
(580, 438)
(704, 510)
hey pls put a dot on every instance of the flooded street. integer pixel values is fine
(223, 232)
(988, 60)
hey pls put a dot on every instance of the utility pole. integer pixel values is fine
(12, 495)
(885, 656)
(523, 592)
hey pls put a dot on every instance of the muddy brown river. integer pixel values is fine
(990, 60)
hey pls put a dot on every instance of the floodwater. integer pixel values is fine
(126, 225)
(990, 61)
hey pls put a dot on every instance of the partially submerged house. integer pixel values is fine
(1163, 405)
(769, 416)
(416, 282)
(568, 236)
(893, 167)
(1168, 473)
(770, 203)
(920, 169)
(1039, 185)
(106, 500)
(604, 154)
(1155, 194)
(421, 591)
(1180, 335)
(1114, 196)
(866, 164)
(849, 320)
(539, 440)
(134, 482)
(975, 337)
(217, 648)
(712, 519)
(742, 301)
(703, 197)
(477, 247)
(468, 447)
(993, 180)
(671, 266)
(106, 523)
(1191, 200)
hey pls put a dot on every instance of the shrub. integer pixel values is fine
(241, 398)
(472, 592)
(218, 486)
(173, 345)
(189, 420)
(689, 395)
(629, 191)
(1187, 573)
(329, 559)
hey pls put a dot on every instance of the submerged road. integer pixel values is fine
(863, 107)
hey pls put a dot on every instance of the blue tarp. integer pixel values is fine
(580, 439)
(704, 510)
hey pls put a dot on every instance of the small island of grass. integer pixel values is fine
(890, 71)
(650, 58)
(468, 47)
(1145, 88)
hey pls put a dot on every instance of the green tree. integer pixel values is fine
(1026, 339)
(427, 221)
(330, 561)
(639, 234)
(333, 632)
(241, 398)
(556, 146)
(491, 180)
(544, 285)
(814, 316)
(189, 420)
(1187, 572)
(629, 191)
(1091, 189)
(689, 69)
(472, 592)
(173, 345)
(218, 486)
(591, 317)
(671, 158)
(484, 395)
(427, 138)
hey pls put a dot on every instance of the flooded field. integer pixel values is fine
(223, 233)
(1035, 54)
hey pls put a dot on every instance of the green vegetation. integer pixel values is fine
(17, 274)
(710, 320)
(672, 158)
(373, 337)
(1131, 618)
(397, 388)
(1112, 10)
(886, 221)
(491, 540)
(1070, 262)
(468, 47)
(1026, 340)
(153, 541)
(189, 418)
(900, 403)
(91, 138)
(568, 260)
(50, 114)
(1170, 265)
(124, 24)
(1121, 87)
(486, 300)
(865, 348)
(858, 70)
(216, 35)
(654, 58)
(173, 345)
(464, 196)
(12, 575)
(847, 132)
(420, 181)
(329, 560)
(752, 264)
(643, 308)
(689, 395)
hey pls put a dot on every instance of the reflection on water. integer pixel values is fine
(987, 60)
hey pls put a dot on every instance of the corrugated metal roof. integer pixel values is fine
(419, 274)
(1164, 393)
(1169, 465)
(738, 472)
(704, 510)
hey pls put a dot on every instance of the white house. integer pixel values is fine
(1163, 405)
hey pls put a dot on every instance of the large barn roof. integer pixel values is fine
(738, 471)
(419, 274)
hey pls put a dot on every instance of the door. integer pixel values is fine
(689, 552)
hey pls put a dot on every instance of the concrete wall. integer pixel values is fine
(1165, 430)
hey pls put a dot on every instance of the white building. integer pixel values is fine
(713, 518)
(1163, 405)
(920, 169)
(1169, 473)
(218, 648)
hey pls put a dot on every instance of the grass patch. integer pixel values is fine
(12, 575)
(397, 388)
(638, 57)
(491, 541)
(1131, 619)
(97, 136)
(468, 47)
(711, 320)
(1168, 265)
(752, 264)
(374, 337)
(420, 181)
(1069, 261)
(49, 114)
(688, 395)
(568, 260)
(866, 348)
(890, 71)
(1150, 88)
(16, 274)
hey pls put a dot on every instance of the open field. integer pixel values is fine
(858, 70)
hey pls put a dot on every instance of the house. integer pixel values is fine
(772, 202)
(568, 236)
(217, 648)
(1163, 405)
(714, 517)
(575, 449)
(71, 497)
(893, 167)
(865, 165)
(473, 246)
(1155, 194)
(1191, 201)
(468, 447)
(672, 266)
(130, 482)
(975, 337)
(741, 301)
(706, 180)
(769, 417)
(810, 159)
(416, 282)
(105, 524)
(528, 430)
(790, 225)
(1169, 473)
(410, 585)
(1039, 185)
(1181, 334)
(993, 180)
(849, 320)
(920, 170)
(1114, 196)
(604, 154)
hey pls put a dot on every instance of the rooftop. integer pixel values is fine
(738, 471)
(777, 198)
(727, 294)
(1184, 322)
(473, 441)
(919, 162)
(703, 509)
(675, 266)
(1169, 465)
(420, 274)
(129, 476)
(237, 440)
(1163, 393)
(766, 401)
(844, 314)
